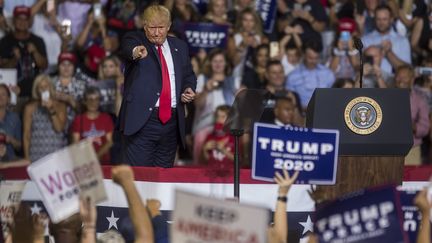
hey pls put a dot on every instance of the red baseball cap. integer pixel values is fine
(67, 56)
(22, 10)
(95, 54)
(347, 24)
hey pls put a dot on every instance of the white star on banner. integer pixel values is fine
(35, 209)
(112, 220)
(307, 225)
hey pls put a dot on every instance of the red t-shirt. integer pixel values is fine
(97, 129)
(218, 162)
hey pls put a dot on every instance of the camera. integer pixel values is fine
(218, 84)
(345, 36)
(369, 60)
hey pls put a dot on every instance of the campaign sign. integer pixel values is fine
(411, 214)
(205, 36)
(62, 177)
(313, 152)
(267, 11)
(10, 198)
(203, 219)
(371, 216)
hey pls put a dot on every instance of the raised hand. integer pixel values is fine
(285, 181)
(88, 212)
(122, 174)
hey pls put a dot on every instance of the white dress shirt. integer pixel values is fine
(166, 51)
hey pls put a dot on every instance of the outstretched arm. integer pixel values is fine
(280, 216)
(421, 201)
(123, 176)
(88, 215)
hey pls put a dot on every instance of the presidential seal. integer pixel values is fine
(363, 115)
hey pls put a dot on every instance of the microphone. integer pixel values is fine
(358, 44)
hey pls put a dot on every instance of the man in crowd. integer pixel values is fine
(309, 75)
(404, 79)
(396, 48)
(374, 76)
(23, 50)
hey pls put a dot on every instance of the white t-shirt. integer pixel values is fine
(204, 117)
(42, 28)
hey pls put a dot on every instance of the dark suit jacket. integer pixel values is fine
(143, 82)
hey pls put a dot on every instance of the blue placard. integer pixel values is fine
(411, 215)
(311, 151)
(205, 36)
(267, 11)
(372, 216)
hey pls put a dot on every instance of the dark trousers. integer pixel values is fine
(155, 144)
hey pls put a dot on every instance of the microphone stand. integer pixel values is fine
(359, 46)
(360, 49)
(237, 133)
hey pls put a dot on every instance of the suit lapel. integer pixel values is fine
(153, 50)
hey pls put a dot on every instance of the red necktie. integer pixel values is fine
(165, 96)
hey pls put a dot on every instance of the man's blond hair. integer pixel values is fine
(156, 12)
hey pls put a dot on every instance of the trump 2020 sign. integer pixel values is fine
(366, 216)
(313, 152)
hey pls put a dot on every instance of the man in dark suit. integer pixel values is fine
(159, 80)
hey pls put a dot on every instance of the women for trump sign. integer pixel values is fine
(313, 152)
(65, 176)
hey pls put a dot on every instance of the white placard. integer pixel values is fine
(203, 219)
(62, 177)
(9, 77)
(10, 198)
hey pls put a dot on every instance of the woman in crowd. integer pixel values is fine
(95, 125)
(95, 33)
(214, 88)
(181, 11)
(345, 58)
(47, 26)
(421, 36)
(217, 12)
(248, 34)
(10, 127)
(68, 88)
(253, 77)
(239, 6)
(110, 82)
(44, 121)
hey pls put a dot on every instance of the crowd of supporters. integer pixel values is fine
(69, 73)
(70, 81)
(146, 224)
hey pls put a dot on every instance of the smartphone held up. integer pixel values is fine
(45, 95)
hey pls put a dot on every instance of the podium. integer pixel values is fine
(375, 136)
